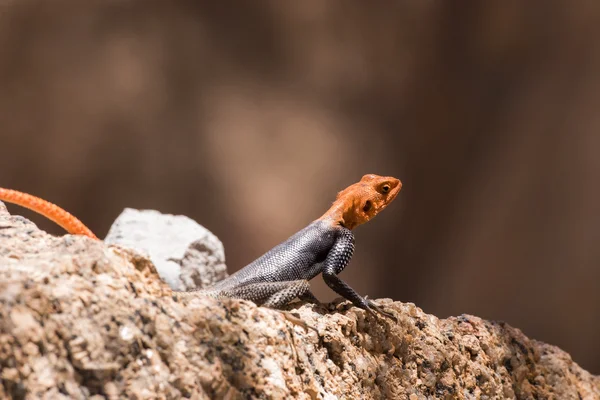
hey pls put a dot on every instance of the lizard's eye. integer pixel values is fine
(385, 188)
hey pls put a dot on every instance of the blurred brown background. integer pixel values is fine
(250, 116)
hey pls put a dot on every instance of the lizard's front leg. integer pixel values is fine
(338, 258)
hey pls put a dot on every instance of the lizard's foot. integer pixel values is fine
(309, 297)
(377, 308)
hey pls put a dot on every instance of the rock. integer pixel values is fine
(186, 255)
(80, 318)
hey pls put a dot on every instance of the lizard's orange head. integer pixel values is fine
(367, 198)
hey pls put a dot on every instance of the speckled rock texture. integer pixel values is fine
(82, 319)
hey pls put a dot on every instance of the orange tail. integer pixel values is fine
(48, 210)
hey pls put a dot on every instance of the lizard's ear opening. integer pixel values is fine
(367, 206)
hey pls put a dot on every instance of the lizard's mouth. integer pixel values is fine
(395, 191)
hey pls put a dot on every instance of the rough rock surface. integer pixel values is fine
(81, 319)
(186, 255)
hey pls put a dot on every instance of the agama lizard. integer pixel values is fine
(324, 247)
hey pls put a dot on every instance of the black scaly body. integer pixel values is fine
(282, 274)
(324, 247)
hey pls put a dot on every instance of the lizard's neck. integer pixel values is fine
(341, 213)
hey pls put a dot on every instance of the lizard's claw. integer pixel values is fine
(376, 307)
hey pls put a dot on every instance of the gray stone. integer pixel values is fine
(186, 255)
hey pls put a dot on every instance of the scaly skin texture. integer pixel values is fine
(324, 247)
(48, 210)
